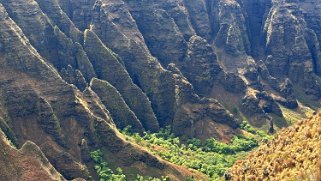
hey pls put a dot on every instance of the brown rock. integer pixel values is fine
(122, 115)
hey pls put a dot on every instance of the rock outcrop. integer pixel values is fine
(114, 102)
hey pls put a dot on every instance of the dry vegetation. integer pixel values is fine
(294, 154)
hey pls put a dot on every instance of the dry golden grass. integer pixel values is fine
(294, 154)
(318, 171)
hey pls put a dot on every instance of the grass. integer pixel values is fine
(304, 98)
(293, 116)
(294, 154)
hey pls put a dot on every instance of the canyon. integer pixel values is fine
(74, 73)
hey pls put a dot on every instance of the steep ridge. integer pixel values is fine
(126, 39)
(109, 68)
(40, 106)
(27, 163)
(45, 36)
(72, 72)
(294, 154)
(115, 103)
(176, 41)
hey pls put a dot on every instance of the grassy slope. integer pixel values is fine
(294, 154)
(292, 116)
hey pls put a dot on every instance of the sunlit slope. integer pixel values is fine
(294, 154)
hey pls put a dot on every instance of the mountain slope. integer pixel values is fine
(74, 72)
(294, 154)
(27, 163)
(38, 105)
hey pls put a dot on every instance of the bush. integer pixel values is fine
(235, 110)
(102, 170)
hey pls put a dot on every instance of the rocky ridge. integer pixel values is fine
(75, 71)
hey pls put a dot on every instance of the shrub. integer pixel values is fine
(102, 170)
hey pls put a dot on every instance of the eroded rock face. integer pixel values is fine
(72, 71)
(233, 83)
(161, 34)
(199, 117)
(27, 163)
(201, 67)
(114, 102)
(45, 36)
(285, 29)
(74, 77)
(108, 67)
(199, 17)
(126, 40)
(232, 36)
(39, 105)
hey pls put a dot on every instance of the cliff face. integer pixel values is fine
(38, 105)
(73, 72)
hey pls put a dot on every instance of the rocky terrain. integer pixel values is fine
(73, 72)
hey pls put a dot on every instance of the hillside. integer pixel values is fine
(27, 163)
(221, 75)
(294, 154)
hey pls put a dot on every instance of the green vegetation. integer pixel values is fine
(238, 144)
(141, 178)
(210, 157)
(106, 174)
(293, 116)
(235, 110)
(247, 127)
(8, 140)
(102, 169)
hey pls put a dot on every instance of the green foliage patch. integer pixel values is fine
(247, 127)
(211, 157)
(106, 174)
(102, 169)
